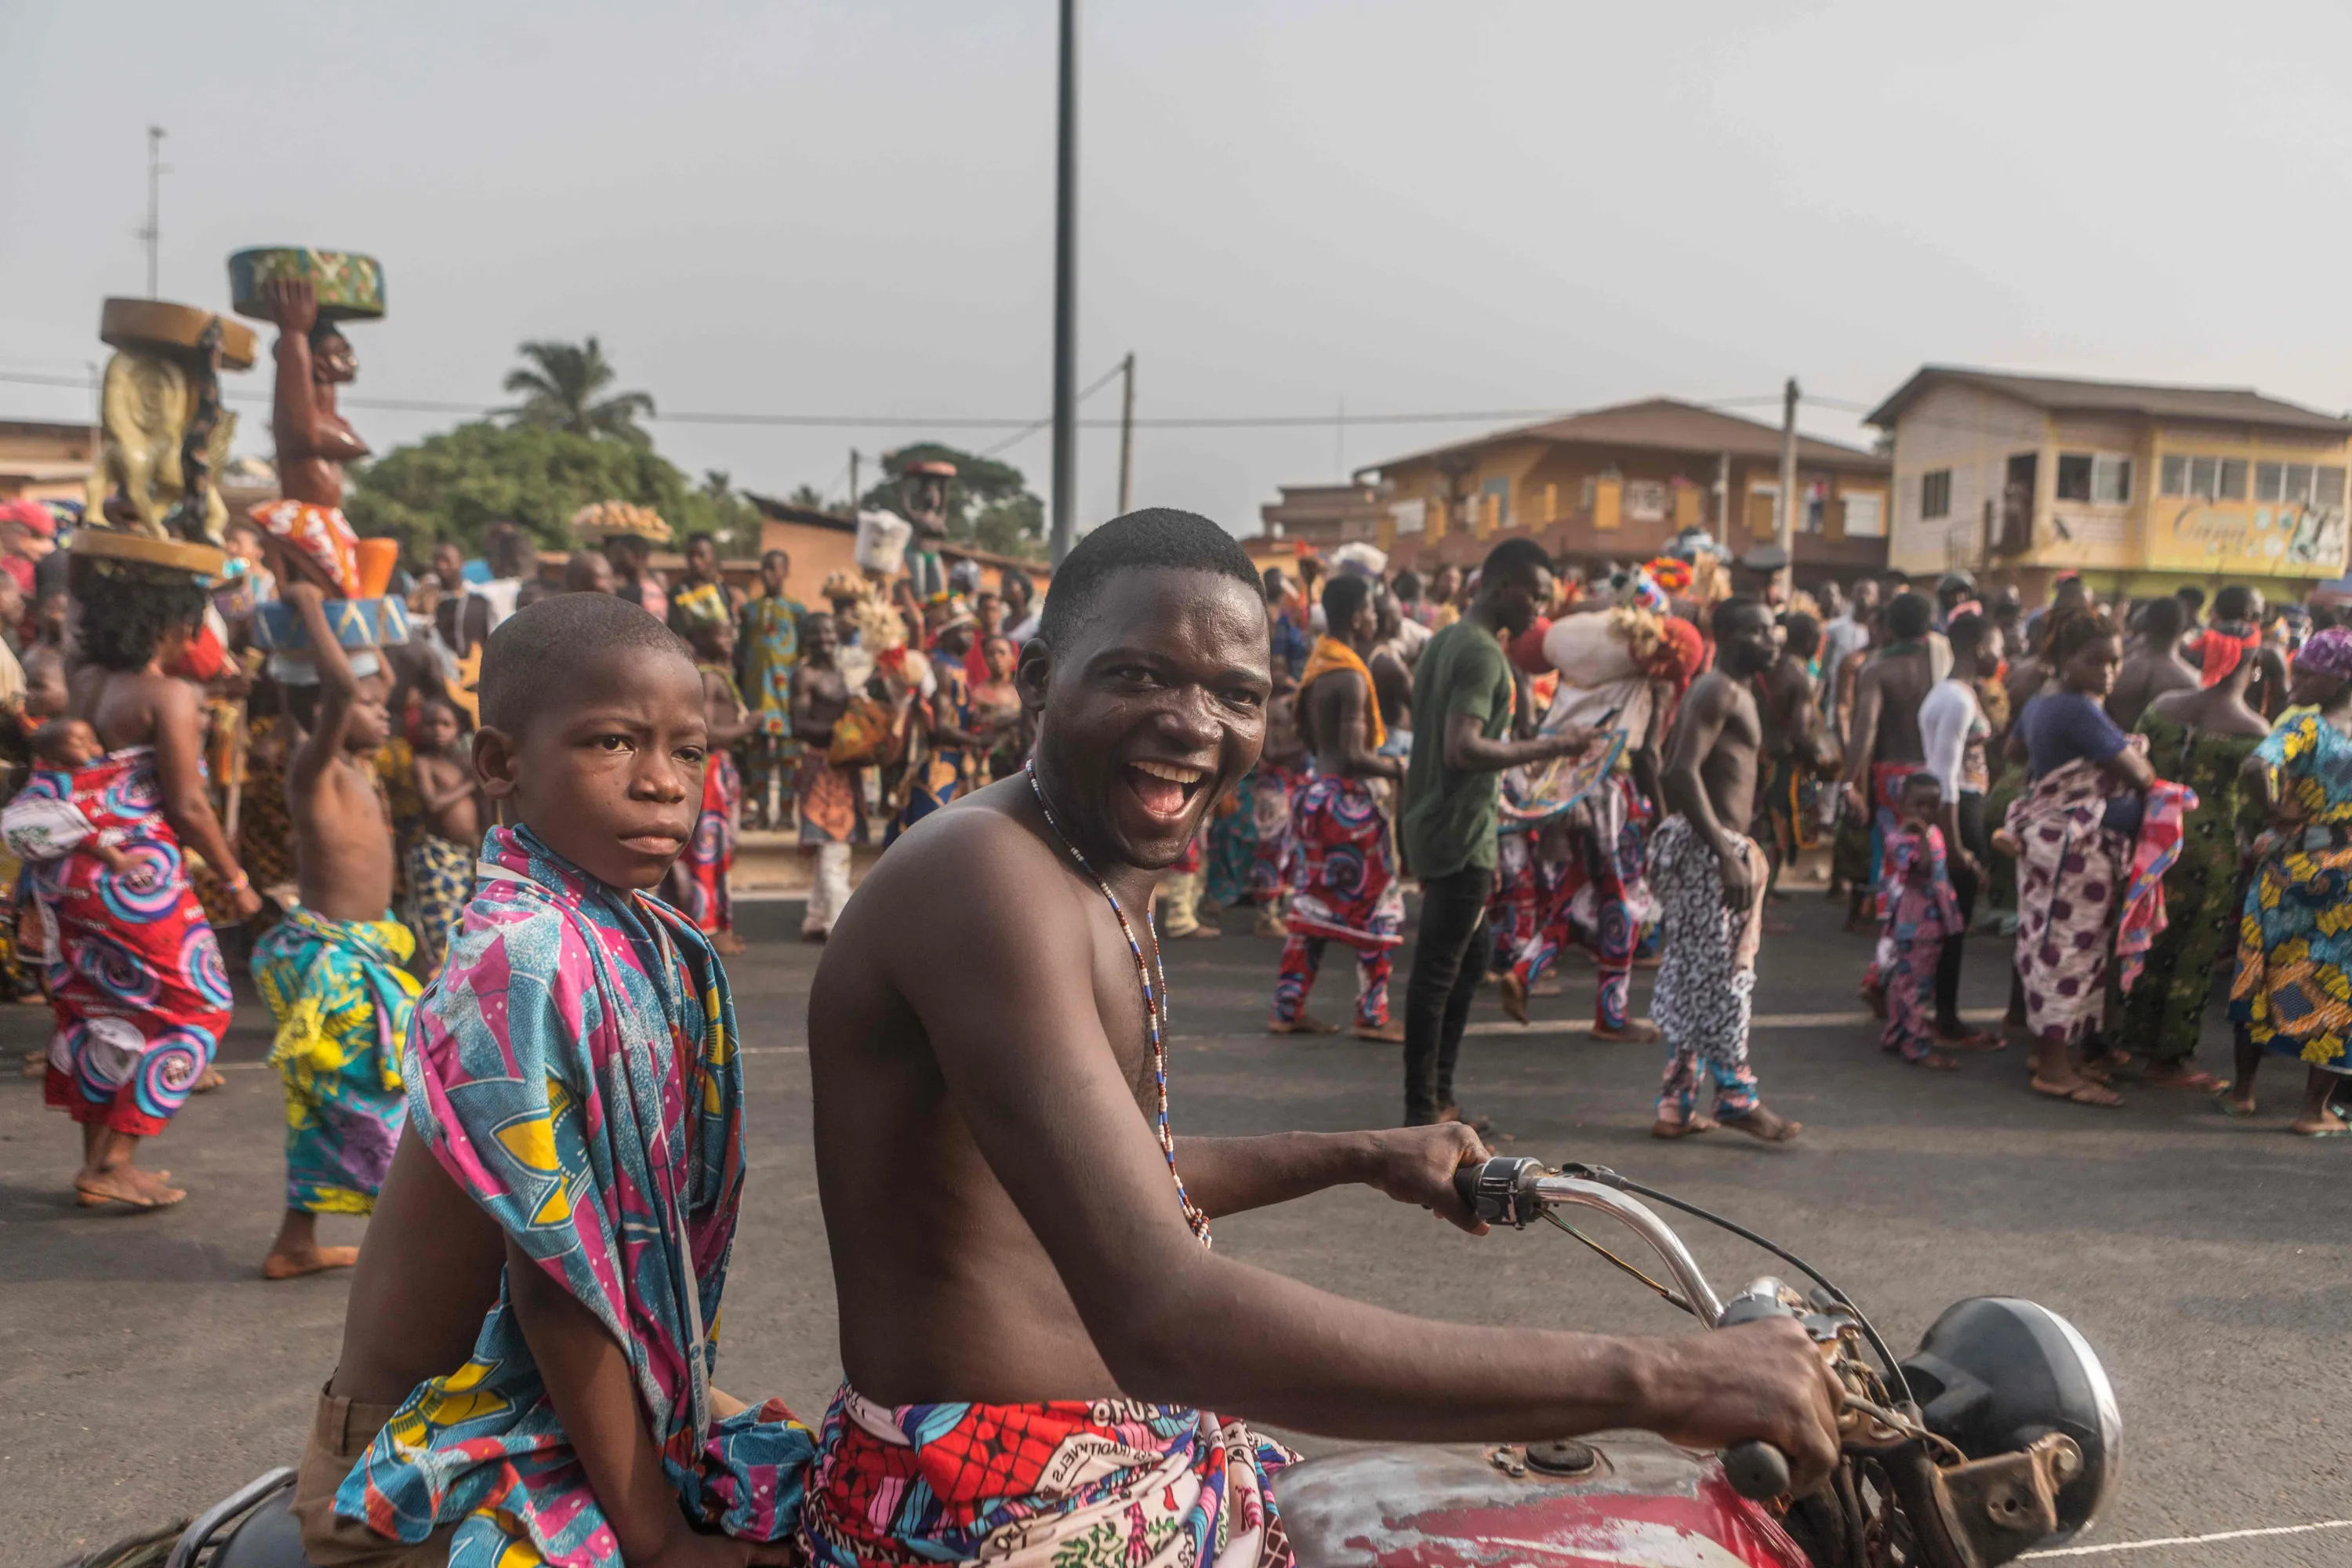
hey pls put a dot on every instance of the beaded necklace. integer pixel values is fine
(1155, 1001)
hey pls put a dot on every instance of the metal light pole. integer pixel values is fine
(1065, 296)
(153, 232)
(1785, 533)
(1127, 436)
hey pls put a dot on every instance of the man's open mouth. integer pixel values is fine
(1165, 789)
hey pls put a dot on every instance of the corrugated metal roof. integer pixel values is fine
(2223, 405)
(1666, 424)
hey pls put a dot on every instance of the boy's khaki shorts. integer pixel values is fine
(339, 1434)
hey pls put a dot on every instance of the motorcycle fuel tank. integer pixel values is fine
(1628, 1501)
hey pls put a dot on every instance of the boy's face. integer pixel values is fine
(609, 771)
(1922, 803)
(1000, 657)
(702, 558)
(773, 570)
(370, 725)
(438, 727)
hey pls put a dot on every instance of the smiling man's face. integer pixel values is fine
(1152, 709)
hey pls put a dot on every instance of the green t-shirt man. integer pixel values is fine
(1449, 817)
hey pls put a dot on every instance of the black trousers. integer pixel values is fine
(1972, 806)
(1448, 961)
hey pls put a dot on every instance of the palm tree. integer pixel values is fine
(559, 383)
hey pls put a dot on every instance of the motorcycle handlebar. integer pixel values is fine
(1516, 1191)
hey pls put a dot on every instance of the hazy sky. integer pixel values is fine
(1408, 207)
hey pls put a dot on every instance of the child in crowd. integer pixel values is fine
(702, 873)
(333, 970)
(440, 857)
(1917, 911)
(42, 829)
(575, 1136)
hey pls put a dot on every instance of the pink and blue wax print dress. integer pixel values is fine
(574, 1070)
(135, 976)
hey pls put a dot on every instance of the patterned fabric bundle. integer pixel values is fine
(574, 1070)
(134, 975)
(2162, 825)
(1063, 1484)
(343, 1003)
(319, 536)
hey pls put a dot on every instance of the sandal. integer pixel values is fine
(2087, 1092)
(2194, 1081)
(1662, 1128)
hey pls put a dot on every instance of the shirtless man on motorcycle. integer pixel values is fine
(1007, 1227)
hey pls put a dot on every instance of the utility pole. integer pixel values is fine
(1127, 434)
(1065, 296)
(153, 232)
(852, 484)
(1785, 534)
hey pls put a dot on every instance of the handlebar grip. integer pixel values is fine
(1499, 1191)
(1756, 1472)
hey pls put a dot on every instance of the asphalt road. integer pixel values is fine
(145, 1367)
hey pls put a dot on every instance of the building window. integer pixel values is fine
(2299, 484)
(1648, 500)
(1865, 517)
(1936, 493)
(2095, 479)
(2204, 478)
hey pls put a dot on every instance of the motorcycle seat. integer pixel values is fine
(269, 1537)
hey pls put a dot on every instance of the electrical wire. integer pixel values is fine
(1608, 1177)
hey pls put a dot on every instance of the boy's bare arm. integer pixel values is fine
(1035, 1079)
(589, 1382)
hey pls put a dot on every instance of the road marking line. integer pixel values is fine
(2191, 1540)
(1761, 1021)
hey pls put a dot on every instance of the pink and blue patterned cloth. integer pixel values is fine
(574, 1070)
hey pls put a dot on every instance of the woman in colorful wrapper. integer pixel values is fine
(2294, 950)
(135, 976)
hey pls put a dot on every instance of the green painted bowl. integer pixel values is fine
(350, 286)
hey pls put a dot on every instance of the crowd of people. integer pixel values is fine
(2141, 799)
(480, 877)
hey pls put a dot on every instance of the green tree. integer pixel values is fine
(808, 498)
(990, 504)
(561, 387)
(449, 486)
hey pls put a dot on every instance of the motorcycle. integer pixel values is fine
(1998, 1435)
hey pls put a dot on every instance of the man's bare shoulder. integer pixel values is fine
(982, 861)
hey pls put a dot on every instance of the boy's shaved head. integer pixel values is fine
(526, 660)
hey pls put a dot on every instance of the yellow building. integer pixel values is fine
(2141, 488)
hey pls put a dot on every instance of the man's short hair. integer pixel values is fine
(1513, 558)
(2191, 597)
(1909, 616)
(768, 556)
(1804, 633)
(2162, 618)
(1343, 595)
(1729, 611)
(1157, 538)
(701, 536)
(526, 660)
(1407, 586)
(1967, 632)
(2234, 603)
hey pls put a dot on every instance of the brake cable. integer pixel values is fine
(1609, 1178)
(1672, 1296)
